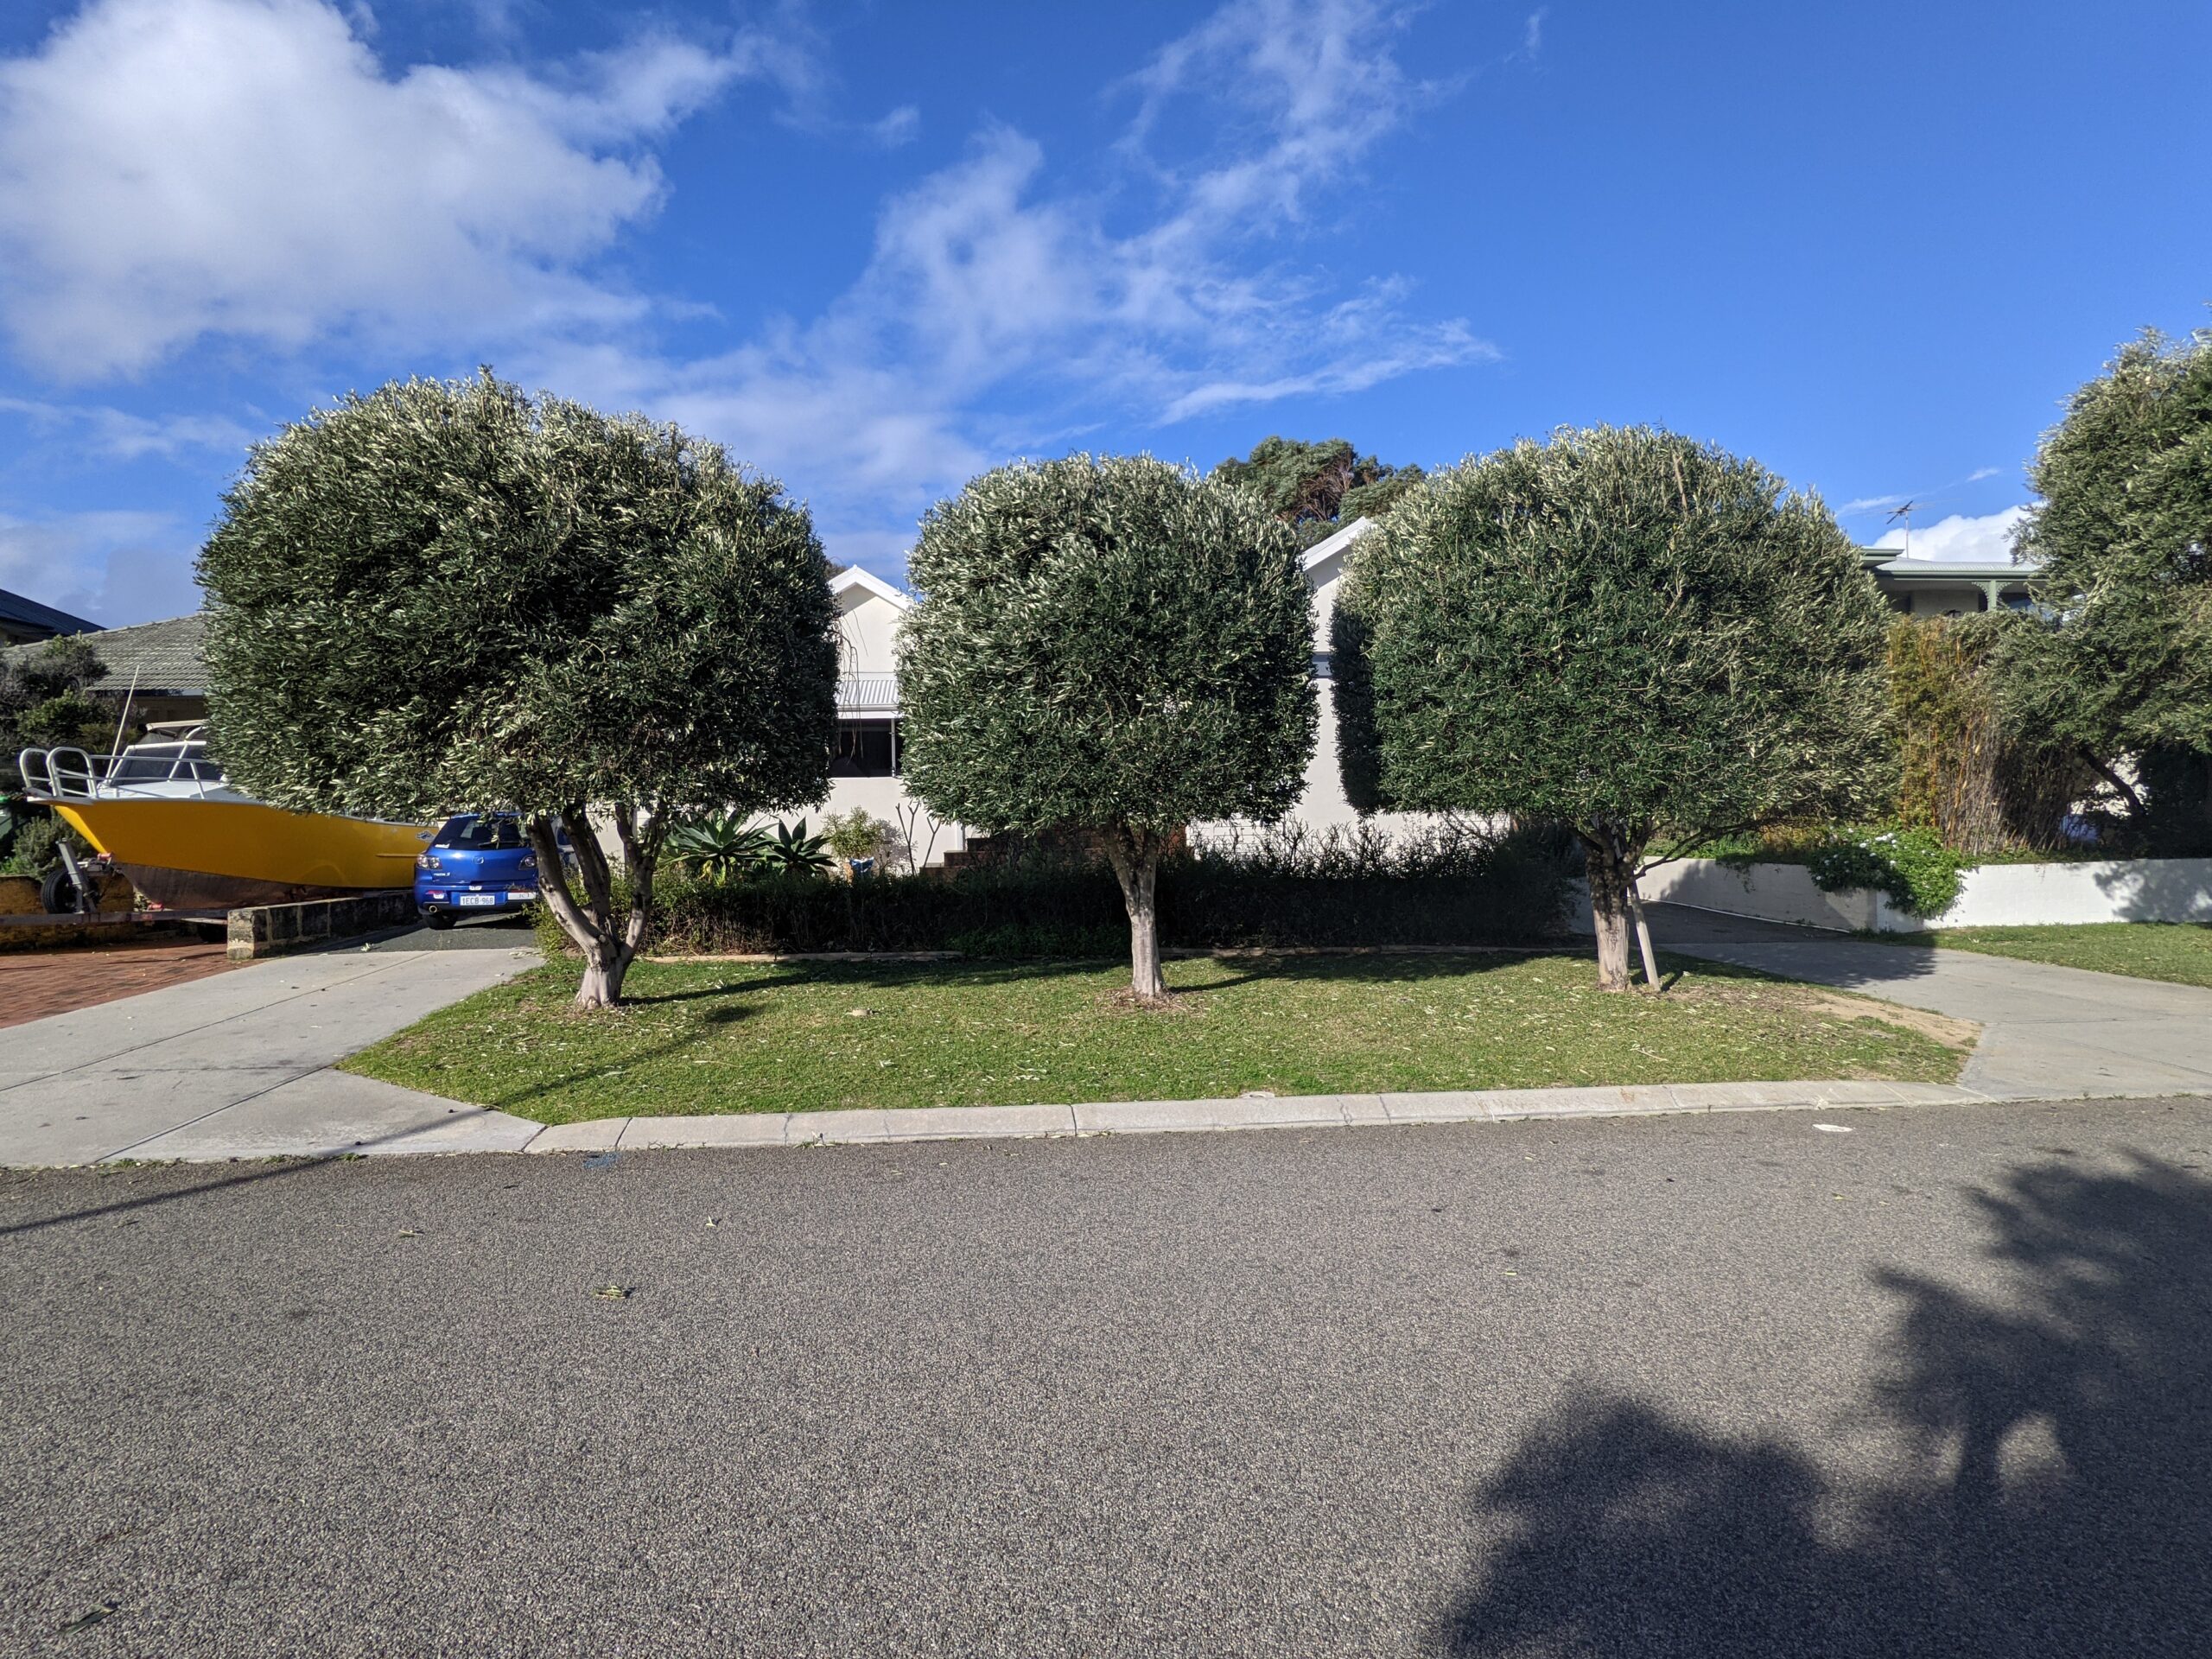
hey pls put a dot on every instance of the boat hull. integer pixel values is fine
(243, 852)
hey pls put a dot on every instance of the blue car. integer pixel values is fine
(477, 865)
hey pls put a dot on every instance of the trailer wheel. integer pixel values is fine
(57, 894)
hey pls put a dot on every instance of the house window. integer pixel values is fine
(866, 748)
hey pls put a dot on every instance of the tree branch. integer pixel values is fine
(553, 883)
(2134, 802)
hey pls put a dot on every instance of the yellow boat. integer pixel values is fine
(162, 812)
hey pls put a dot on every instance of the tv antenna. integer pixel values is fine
(1904, 511)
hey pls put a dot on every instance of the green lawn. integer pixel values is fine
(735, 1037)
(2180, 952)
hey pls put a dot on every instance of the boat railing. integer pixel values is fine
(72, 774)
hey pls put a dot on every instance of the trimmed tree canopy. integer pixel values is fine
(1110, 645)
(2125, 535)
(448, 597)
(1622, 630)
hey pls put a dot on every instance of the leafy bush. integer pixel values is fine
(1912, 865)
(855, 835)
(36, 847)
(1964, 771)
(1284, 888)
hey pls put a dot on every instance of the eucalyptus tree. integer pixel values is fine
(448, 597)
(1110, 645)
(1620, 630)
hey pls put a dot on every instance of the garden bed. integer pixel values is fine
(1454, 890)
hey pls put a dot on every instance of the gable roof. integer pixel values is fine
(1326, 548)
(853, 576)
(27, 617)
(167, 656)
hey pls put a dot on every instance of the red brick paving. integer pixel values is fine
(35, 983)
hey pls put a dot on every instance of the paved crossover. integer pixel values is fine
(2046, 1029)
(236, 1065)
(1691, 1386)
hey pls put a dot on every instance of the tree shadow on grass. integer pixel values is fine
(1365, 968)
(2054, 1503)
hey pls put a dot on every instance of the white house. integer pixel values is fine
(865, 770)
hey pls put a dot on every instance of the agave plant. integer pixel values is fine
(719, 846)
(794, 852)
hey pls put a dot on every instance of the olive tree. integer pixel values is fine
(2122, 676)
(449, 597)
(1110, 645)
(1620, 630)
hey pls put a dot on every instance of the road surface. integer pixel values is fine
(1731, 1384)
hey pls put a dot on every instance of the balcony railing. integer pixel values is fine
(867, 694)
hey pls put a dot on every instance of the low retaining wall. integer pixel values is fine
(1990, 895)
(272, 930)
(24, 926)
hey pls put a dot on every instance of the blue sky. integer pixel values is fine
(876, 248)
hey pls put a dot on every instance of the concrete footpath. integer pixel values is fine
(239, 1065)
(2046, 1030)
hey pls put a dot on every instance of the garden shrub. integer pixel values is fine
(1910, 864)
(1979, 786)
(1284, 888)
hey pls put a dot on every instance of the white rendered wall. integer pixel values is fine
(1990, 895)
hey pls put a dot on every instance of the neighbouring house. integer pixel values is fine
(157, 664)
(1948, 587)
(865, 770)
(25, 621)
(864, 765)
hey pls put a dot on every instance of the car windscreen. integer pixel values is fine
(481, 834)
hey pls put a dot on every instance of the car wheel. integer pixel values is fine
(441, 919)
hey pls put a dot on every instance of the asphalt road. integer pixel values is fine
(1711, 1385)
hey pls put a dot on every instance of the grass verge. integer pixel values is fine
(2178, 951)
(738, 1037)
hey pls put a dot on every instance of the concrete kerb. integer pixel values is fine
(867, 1127)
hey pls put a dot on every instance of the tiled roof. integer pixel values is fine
(19, 615)
(166, 655)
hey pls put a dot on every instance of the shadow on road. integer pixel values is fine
(2054, 1500)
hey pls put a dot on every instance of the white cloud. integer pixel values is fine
(112, 568)
(1962, 539)
(1532, 32)
(116, 435)
(171, 169)
(899, 127)
(988, 289)
(175, 168)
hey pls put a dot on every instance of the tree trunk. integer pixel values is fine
(608, 948)
(1608, 869)
(1135, 856)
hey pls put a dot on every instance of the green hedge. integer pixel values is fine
(1908, 863)
(1282, 890)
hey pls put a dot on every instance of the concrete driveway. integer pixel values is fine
(238, 1065)
(2046, 1029)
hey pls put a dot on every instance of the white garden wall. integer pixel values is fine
(1992, 895)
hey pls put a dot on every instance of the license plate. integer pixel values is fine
(469, 899)
(523, 896)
